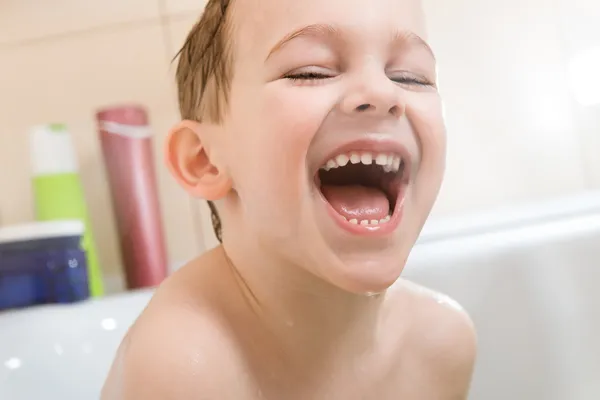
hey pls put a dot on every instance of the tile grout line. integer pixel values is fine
(80, 32)
(164, 19)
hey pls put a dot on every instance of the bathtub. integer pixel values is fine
(528, 276)
(529, 279)
(63, 352)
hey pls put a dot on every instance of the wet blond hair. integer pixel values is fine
(204, 73)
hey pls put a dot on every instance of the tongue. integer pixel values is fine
(357, 202)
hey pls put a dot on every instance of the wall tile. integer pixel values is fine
(590, 142)
(177, 29)
(511, 126)
(24, 20)
(579, 23)
(66, 80)
(192, 8)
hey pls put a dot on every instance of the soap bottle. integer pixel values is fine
(57, 189)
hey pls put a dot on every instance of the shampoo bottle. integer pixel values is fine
(57, 189)
(127, 148)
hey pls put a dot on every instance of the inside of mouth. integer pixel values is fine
(360, 192)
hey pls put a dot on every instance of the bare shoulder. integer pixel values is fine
(444, 336)
(439, 313)
(178, 348)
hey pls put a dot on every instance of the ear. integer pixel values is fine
(187, 154)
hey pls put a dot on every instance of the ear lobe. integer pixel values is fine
(187, 156)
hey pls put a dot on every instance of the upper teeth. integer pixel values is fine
(389, 162)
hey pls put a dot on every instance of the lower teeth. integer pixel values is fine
(365, 222)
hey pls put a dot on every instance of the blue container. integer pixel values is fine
(42, 263)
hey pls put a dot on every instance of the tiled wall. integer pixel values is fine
(61, 60)
(515, 132)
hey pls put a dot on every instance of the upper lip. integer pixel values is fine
(375, 146)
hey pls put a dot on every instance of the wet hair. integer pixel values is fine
(204, 73)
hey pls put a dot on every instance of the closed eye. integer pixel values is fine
(411, 80)
(313, 76)
(307, 76)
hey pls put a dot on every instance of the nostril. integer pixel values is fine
(395, 111)
(363, 107)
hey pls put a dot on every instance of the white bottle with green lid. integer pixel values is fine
(58, 193)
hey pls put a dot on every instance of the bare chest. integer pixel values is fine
(391, 380)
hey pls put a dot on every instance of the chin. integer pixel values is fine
(358, 279)
(361, 270)
(365, 259)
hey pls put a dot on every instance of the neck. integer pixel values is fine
(308, 317)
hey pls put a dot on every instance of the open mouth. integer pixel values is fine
(363, 187)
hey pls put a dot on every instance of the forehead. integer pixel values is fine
(260, 24)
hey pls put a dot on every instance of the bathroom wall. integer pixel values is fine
(61, 60)
(515, 131)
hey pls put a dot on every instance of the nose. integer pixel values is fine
(374, 95)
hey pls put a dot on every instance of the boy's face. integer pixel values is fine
(343, 80)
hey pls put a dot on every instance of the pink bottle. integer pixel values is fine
(127, 148)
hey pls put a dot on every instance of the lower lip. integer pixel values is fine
(378, 230)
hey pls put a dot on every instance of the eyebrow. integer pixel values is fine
(325, 30)
(412, 38)
(315, 30)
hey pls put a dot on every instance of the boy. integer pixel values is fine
(316, 128)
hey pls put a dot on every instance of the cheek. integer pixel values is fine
(427, 118)
(269, 166)
(295, 112)
(426, 115)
